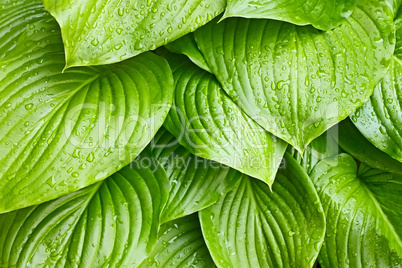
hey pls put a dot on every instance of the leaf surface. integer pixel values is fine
(102, 31)
(380, 119)
(112, 223)
(355, 144)
(60, 132)
(210, 125)
(322, 14)
(195, 183)
(295, 81)
(180, 245)
(363, 210)
(254, 227)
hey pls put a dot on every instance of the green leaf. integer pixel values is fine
(195, 183)
(380, 119)
(186, 45)
(355, 144)
(60, 132)
(254, 227)
(14, 19)
(297, 82)
(363, 210)
(322, 14)
(101, 31)
(322, 147)
(113, 223)
(210, 125)
(180, 245)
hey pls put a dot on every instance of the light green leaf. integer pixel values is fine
(322, 14)
(102, 31)
(14, 19)
(60, 132)
(254, 227)
(297, 82)
(186, 45)
(355, 144)
(113, 223)
(210, 125)
(195, 183)
(180, 245)
(380, 119)
(363, 210)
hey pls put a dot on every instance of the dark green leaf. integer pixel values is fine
(254, 227)
(322, 147)
(355, 144)
(113, 223)
(297, 82)
(210, 125)
(363, 210)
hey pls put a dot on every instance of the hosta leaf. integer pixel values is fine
(180, 245)
(297, 82)
(100, 32)
(113, 223)
(363, 211)
(380, 119)
(355, 144)
(322, 14)
(186, 45)
(211, 126)
(63, 131)
(195, 183)
(254, 227)
(322, 147)
(14, 19)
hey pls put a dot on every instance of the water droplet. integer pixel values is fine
(29, 106)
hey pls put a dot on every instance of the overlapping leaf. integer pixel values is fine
(363, 212)
(113, 223)
(296, 82)
(322, 147)
(60, 132)
(180, 245)
(15, 17)
(195, 183)
(322, 14)
(380, 119)
(254, 227)
(210, 125)
(100, 32)
(355, 144)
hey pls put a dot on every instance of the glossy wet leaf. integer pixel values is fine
(322, 14)
(355, 144)
(113, 223)
(60, 132)
(195, 183)
(295, 81)
(211, 126)
(363, 210)
(100, 32)
(380, 119)
(180, 245)
(254, 227)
